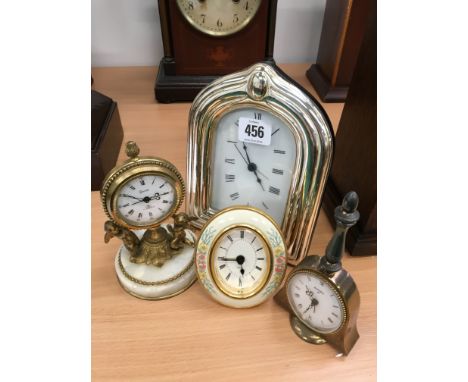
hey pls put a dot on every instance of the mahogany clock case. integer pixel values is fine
(193, 59)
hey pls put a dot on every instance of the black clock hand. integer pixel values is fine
(245, 160)
(308, 308)
(252, 166)
(227, 259)
(130, 196)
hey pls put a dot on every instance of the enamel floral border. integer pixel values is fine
(279, 260)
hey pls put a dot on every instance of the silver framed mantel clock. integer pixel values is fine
(258, 139)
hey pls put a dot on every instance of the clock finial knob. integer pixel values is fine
(346, 215)
(258, 85)
(132, 150)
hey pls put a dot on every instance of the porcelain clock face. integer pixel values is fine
(219, 17)
(145, 199)
(316, 302)
(252, 174)
(241, 262)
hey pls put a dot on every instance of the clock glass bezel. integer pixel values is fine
(223, 287)
(121, 220)
(343, 307)
(218, 33)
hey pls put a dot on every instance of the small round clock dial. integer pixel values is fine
(253, 174)
(145, 199)
(241, 262)
(316, 302)
(219, 17)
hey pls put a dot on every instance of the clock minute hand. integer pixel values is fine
(130, 196)
(240, 153)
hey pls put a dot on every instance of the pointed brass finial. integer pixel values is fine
(346, 216)
(132, 150)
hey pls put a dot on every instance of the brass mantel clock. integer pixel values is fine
(155, 261)
(320, 295)
(256, 139)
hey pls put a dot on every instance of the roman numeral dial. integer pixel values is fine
(145, 199)
(245, 173)
(316, 302)
(241, 262)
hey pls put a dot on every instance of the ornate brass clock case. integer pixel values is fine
(139, 195)
(325, 283)
(266, 89)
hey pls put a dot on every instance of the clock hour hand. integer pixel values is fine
(252, 167)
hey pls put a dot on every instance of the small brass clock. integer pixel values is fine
(322, 298)
(241, 257)
(155, 261)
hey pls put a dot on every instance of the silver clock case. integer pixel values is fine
(262, 86)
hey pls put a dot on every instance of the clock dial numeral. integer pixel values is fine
(203, 18)
(131, 212)
(259, 249)
(242, 234)
(230, 238)
(219, 23)
(260, 258)
(230, 160)
(257, 267)
(162, 185)
(274, 132)
(264, 205)
(222, 266)
(274, 190)
(230, 178)
(279, 151)
(132, 187)
(277, 171)
(247, 6)
(240, 282)
(140, 215)
(142, 182)
(229, 275)
(258, 116)
(234, 196)
(235, 18)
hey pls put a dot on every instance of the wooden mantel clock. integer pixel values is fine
(204, 39)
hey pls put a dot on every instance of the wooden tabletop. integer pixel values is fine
(190, 337)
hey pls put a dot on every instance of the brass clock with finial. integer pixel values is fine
(322, 297)
(155, 260)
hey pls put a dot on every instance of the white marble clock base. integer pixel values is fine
(154, 283)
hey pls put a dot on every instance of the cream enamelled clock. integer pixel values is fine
(257, 139)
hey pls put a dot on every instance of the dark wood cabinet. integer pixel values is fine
(343, 28)
(355, 160)
(192, 59)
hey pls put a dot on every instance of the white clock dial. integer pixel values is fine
(241, 262)
(252, 174)
(219, 17)
(145, 199)
(315, 302)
